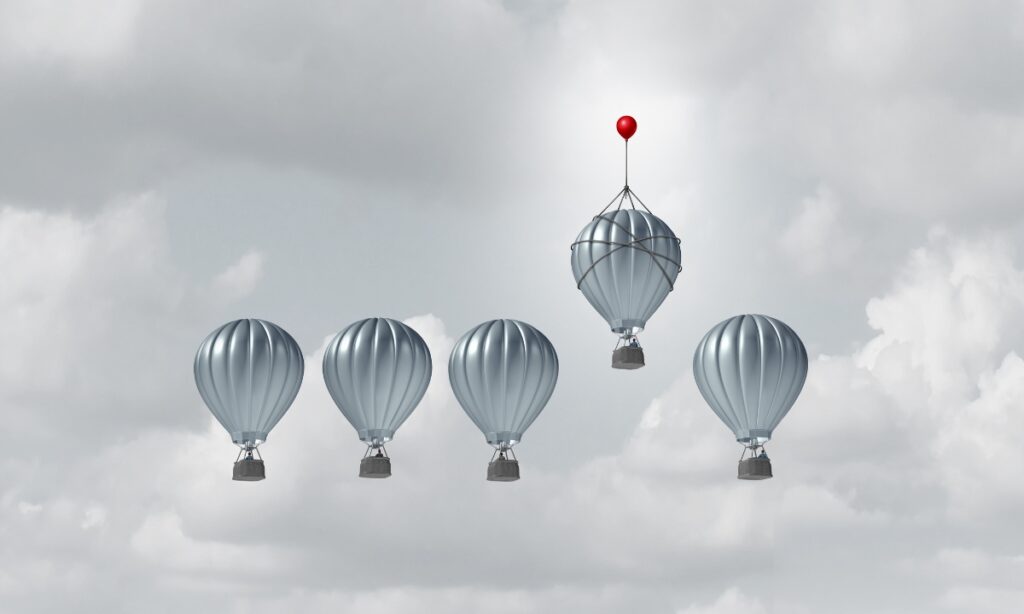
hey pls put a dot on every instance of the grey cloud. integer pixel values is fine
(102, 322)
(358, 90)
(866, 489)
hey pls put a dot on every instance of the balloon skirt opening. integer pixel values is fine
(628, 358)
(503, 470)
(378, 467)
(755, 469)
(249, 470)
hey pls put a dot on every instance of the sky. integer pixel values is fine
(851, 168)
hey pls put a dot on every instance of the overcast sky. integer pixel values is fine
(852, 168)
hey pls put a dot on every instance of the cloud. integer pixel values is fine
(857, 464)
(950, 318)
(74, 32)
(980, 600)
(979, 437)
(97, 319)
(239, 279)
(731, 601)
(162, 540)
(181, 86)
(815, 239)
(322, 163)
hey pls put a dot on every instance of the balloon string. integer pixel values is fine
(627, 163)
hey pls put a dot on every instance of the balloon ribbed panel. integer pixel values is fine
(750, 369)
(248, 373)
(626, 262)
(377, 371)
(503, 372)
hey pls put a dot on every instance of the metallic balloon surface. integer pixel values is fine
(377, 371)
(248, 373)
(503, 373)
(750, 369)
(626, 262)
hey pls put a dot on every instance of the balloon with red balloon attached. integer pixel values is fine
(626, 126)
(626, 261)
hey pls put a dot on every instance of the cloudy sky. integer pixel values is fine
(853, 169)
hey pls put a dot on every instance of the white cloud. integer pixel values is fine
(816, 239)
(162, 540)
(950, 317)
(854, 464)
(731, 601)
(462, 599)
(76, 31)
(981, 600)
(96, 318)
(239, 279)
(93, 517)
(975, 445)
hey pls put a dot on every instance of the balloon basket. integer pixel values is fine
(249, 469)
(375, 466)
(628, 357)
(501, 468)
(755, 468)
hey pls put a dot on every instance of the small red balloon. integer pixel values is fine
(626, 126)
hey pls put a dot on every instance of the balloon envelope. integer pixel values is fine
(377, 371)
(248, 373)
(750, 369)
(626, 262)
(503, 373)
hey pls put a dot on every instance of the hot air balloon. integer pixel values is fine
(248, 373)
(750, 370)
(503, 373)
(625, 262)
(377, 371)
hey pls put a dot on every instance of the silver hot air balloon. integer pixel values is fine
(625, 262)
(750, 369)
(248, 373)
(503, 373)
(377, 371)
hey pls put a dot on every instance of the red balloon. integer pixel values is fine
(626, 126)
